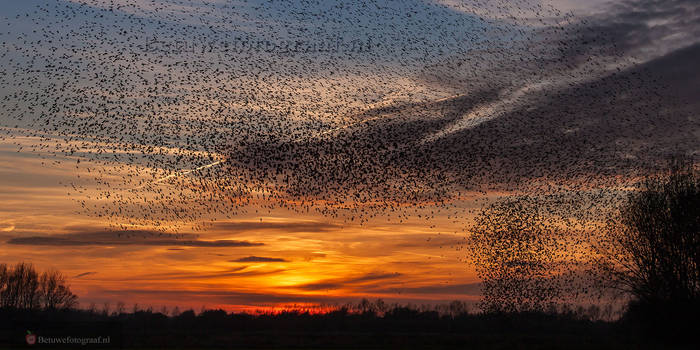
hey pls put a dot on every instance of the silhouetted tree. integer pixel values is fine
(55, 294)
(4, 286)
(516, 250)
(21, 287)
(651, 250)
(457, 308)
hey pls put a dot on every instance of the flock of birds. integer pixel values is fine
(414, 108)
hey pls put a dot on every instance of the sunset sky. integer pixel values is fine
(293, 259)
(73, 188)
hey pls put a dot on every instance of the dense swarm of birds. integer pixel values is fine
(187, 111)
(539, 253)
(518, 253)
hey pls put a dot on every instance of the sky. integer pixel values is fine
(248, 155)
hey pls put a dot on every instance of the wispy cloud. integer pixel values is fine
(121, 238)
(230, 297)
(464, 288)
(233, 272)
(349, 282)
(85, 274)
(294, 226)
(259, 259)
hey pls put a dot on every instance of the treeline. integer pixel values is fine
(367, 308)
(367, 324)
(22, 287)
(364, 325)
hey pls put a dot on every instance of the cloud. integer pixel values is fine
(189, 298)
(234, 272)
(121, 238)
(240, 271)
(338, 283)
(230, 297)
(465, 288)
(312, 256)
(259, 259)
(643, 28)
(300, 226)
(85, 274)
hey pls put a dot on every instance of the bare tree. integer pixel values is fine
(120, 308)
(21, 287)
(4, 286)
(105, 308)
(651, 249)
(55, 294)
